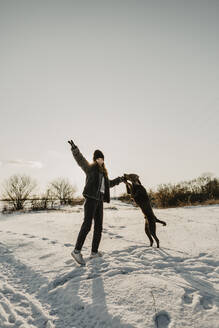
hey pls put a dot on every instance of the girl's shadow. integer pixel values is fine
(99, 300)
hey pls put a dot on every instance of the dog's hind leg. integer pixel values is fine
(153, 232)
(157, 240)
(147, 231)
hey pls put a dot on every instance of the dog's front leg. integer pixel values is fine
(129, 188)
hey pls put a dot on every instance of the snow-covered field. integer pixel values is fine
(133, 285)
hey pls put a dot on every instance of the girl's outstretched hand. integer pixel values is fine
(73, 146)
(123, 179)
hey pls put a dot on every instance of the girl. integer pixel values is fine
(96, 191)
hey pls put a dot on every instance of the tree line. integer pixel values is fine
(19, 193)
(19, 190)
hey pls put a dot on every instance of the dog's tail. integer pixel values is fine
(161, 222)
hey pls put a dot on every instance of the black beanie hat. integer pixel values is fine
(98, 154)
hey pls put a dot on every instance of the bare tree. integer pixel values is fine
(17, 189)
(63, 190)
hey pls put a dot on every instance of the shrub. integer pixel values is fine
(203, 189)
(17, 189)
(62, 190)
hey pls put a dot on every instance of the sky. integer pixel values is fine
(138, 80)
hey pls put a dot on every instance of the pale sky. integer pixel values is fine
(137, 79)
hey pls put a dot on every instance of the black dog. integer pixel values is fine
(140, 196)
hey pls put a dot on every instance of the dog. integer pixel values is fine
(140, 196)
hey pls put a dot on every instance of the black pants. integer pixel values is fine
(93, 209)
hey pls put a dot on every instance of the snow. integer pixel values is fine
(132, 285)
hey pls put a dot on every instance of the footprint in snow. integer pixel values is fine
(202, 254)
(162, 319)
(68, 245)
(188, 297)
(46, 256)
(59, 281)
(206, 302)
(20, 309)
(114, 235)
(53, 242)
(23, 244)
(69, 261)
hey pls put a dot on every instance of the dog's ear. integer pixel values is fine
(139, 181)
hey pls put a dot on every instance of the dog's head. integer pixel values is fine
(134, 178)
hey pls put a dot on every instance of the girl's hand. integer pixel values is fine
(124, 179)
(73, 146)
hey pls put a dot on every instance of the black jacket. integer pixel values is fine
(94, 177)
